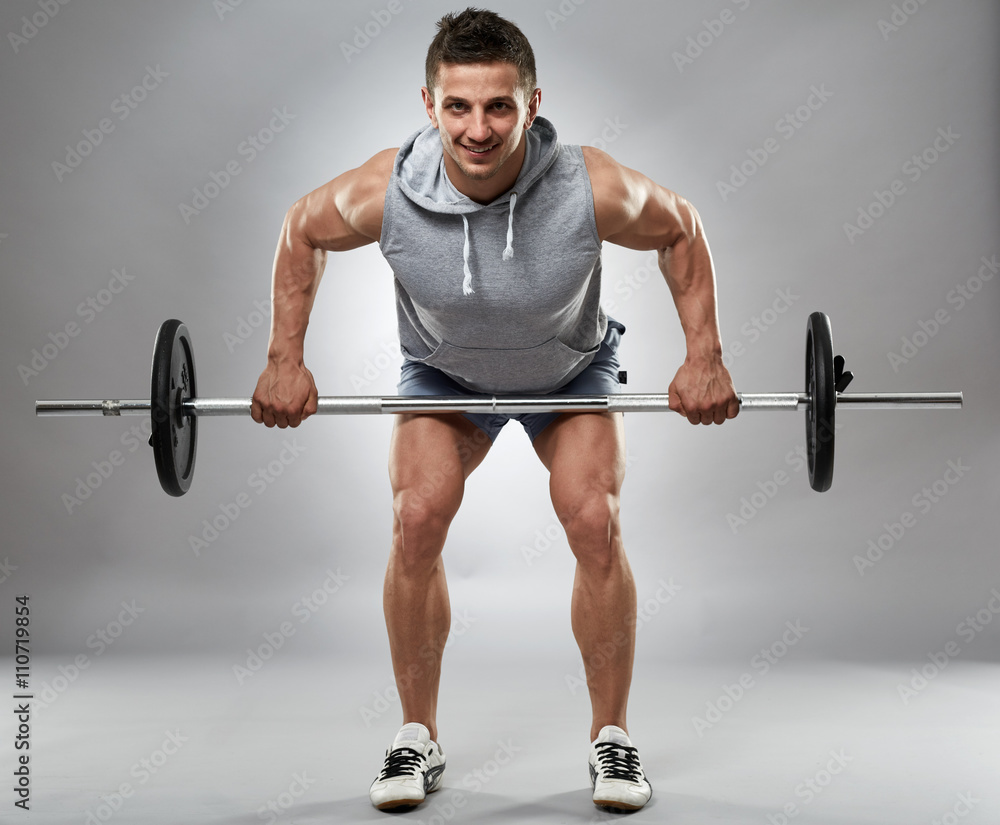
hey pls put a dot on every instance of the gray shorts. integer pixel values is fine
(599, 378)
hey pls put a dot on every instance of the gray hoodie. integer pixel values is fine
(503, 297)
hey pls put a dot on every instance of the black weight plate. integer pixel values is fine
(822, 407)
(175, 436)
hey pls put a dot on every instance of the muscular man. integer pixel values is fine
(493, 230)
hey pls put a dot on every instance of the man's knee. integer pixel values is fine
(422, 523)
(591, 524)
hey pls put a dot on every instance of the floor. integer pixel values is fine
(191, 740)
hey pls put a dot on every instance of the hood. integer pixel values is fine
(419, 171)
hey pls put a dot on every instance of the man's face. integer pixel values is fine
(481, 114)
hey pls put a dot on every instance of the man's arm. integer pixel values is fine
(635, 212)
(343, 214)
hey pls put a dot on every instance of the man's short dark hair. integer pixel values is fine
(480, 36)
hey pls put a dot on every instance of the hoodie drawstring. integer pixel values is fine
(508, 252)
(467, 283)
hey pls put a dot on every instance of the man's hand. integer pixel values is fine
(703, 392)
(285, 396)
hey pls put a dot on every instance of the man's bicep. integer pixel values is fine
(346, 212)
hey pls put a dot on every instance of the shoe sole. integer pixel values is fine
(399, 804)
(617, 806)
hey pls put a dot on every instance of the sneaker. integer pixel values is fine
(616, 774)
(413, 768)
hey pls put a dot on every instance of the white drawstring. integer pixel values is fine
(467, 283)
(508, 253)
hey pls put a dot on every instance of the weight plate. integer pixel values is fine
(822, 406)
(175, 436)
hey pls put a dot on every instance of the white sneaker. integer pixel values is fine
(616, 774)
(413, 768)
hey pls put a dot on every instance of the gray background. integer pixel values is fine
(610, 76)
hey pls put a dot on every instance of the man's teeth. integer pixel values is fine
(479, 151)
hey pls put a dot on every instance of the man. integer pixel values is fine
(493, 230)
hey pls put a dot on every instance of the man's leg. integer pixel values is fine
(585, 456)
(430, 457)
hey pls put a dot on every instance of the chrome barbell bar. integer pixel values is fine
(505, 405)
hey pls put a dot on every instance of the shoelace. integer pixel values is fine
(615, 766)
(401, 762)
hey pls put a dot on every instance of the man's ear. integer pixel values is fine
(534, 102)
(428, 98)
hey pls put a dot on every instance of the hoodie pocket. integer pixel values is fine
(539, 369)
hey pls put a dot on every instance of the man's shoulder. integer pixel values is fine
(604, 171)
(619, 192)
(609, 180)
(376, 172)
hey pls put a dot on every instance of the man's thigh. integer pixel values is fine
(432, 454)
(584, 452)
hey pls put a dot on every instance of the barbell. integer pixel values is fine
(174, 407)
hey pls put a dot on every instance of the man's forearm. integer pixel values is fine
(687, 268)
(298, 269)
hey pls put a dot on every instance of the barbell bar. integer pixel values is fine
(506, 405)
(174, 406)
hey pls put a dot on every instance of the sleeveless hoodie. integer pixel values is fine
(503, 297)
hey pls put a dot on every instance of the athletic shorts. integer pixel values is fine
(599, 378)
